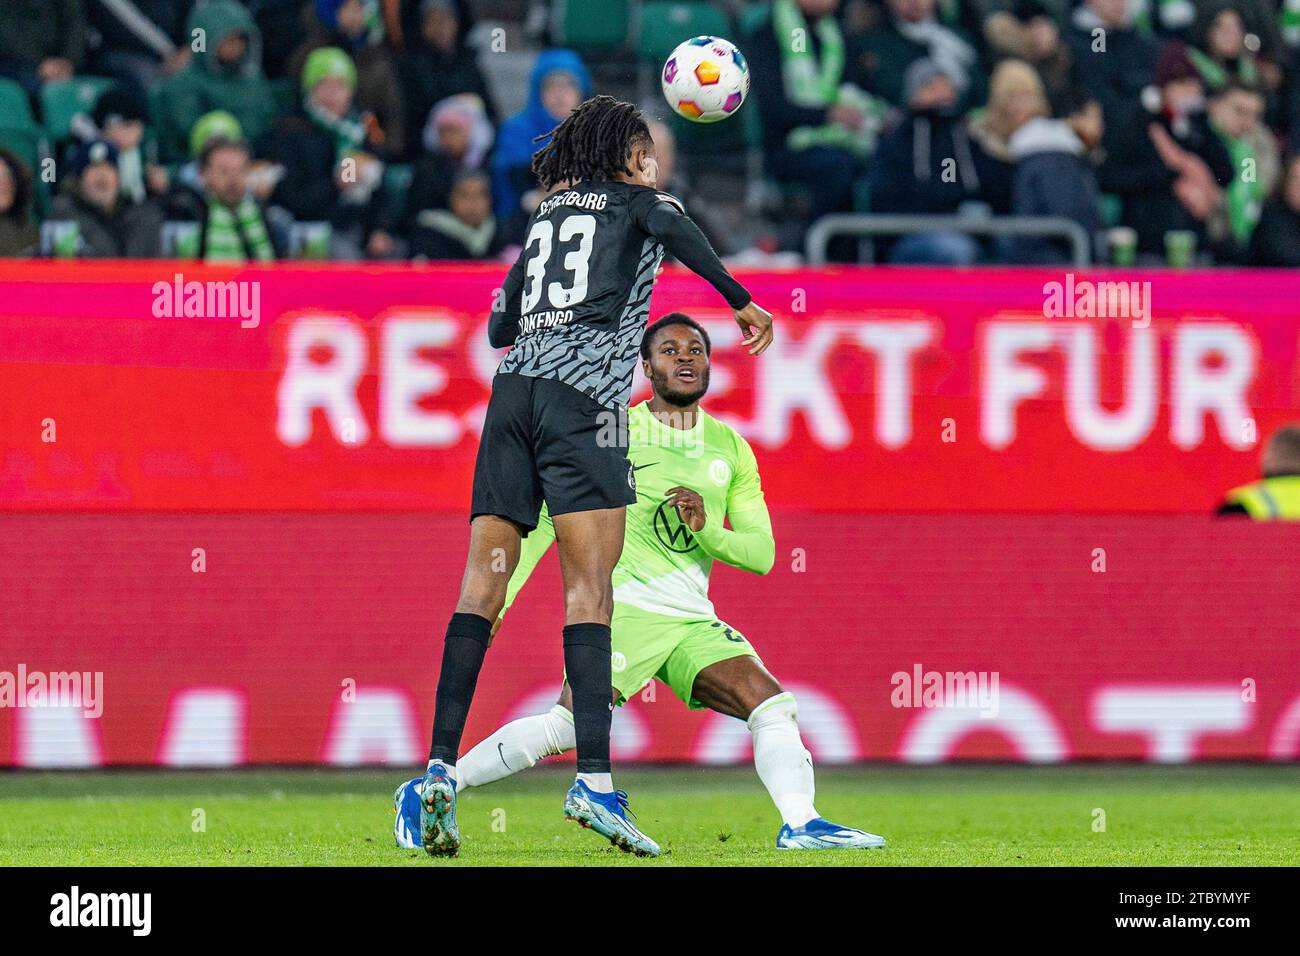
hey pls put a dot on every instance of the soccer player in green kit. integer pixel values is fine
(692, 472)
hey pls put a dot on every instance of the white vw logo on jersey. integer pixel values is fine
(719, 472)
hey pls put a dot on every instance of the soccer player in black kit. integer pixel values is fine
(573, 306)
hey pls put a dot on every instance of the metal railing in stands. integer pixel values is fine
(875, 224)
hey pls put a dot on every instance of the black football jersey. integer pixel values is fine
(575, 303)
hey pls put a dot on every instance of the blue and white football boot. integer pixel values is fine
(439, 834)
(606, 813)
(406, 822)
(820, 834)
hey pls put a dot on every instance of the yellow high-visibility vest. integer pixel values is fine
(1270, 499)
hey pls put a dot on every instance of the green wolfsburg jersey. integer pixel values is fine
(664, 567)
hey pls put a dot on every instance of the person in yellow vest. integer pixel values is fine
(1276, 496)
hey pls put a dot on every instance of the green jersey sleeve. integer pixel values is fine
(532, 550)
(748, 544)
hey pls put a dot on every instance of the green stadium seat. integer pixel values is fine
(60, 102)
(591, 26)
(15, 108)
(666, 24)
(24, 142)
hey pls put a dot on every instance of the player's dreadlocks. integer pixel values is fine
(594, 142)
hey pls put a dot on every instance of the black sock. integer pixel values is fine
(462, 658)
(586, 665)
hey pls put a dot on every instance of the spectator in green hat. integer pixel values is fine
(211, 125)
(331, 152)
(357, 27)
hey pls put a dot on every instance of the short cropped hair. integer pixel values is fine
(1282, 452)
(673, 318)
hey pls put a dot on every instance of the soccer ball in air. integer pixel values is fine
(705, 79)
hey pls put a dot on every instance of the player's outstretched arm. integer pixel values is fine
(668, 222)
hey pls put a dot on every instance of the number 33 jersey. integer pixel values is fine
(575, 303)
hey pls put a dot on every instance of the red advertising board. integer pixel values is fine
(232, 514)
(148, 386)
(316, 637)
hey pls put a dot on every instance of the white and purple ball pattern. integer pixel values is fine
(705, 79)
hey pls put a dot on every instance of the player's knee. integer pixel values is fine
(755, 687)
(482, 595)
(589, 601)
(775, 709)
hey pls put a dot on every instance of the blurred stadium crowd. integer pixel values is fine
(393, 129)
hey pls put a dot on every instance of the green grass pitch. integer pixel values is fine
(963, 815)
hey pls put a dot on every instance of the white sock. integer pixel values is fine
(599, 782)
(782, 762)
(517, 746)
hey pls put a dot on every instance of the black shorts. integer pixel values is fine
(545, 440)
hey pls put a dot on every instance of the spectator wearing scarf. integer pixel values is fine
(1166, 164)
(1235, 114)
(232, 228)
(465, 230)
(911, 31)
(813, 79)
(816, 128)
(330, 157)
(357, 28)
(456, 139)
(1218, 48)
